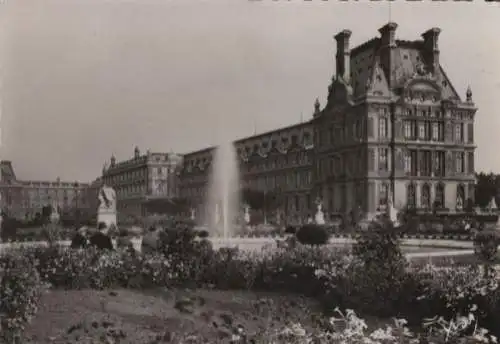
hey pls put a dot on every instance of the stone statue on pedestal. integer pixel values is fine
(193, 214)
(106, 211)
(320, 216)
(54, 215)
(246, 214)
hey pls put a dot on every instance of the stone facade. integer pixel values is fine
(393, 126)
(279, 161)
(24, 198)
(142, 178)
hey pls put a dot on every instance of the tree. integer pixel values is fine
(255, 199)
(260, 200)
(487, 186)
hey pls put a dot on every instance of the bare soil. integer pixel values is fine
(125, 316)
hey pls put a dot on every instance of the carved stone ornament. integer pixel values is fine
(283, 145)
(201, 165)
(263, 152)
(420, 68)
(244, 155)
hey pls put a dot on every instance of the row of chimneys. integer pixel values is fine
(388, 41)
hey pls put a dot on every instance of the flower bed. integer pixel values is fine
(334, 277)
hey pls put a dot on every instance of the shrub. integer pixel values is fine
(486, 244)
(290, 230)
(203, 234)
(312, 234)
(20, 292)
(382, 274)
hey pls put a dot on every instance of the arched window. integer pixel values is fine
(383, 194)
(411, 196)
(460, 196)
(439, 201)
(426, 196)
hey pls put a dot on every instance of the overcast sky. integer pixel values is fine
(82, 79)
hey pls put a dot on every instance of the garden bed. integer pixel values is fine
(146, 317)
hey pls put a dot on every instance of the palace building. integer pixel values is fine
(393, 129)
(141, 180)
(23, 199)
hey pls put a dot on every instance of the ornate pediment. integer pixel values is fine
(421, 90)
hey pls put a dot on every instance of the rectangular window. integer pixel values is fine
(435, 131)
(425, 163)
(383, 130)
(383, 162)
(470, 133)
(439, 164)
(441, 131)
(409, 130)
(421, 131)
(460, 162)
(407, 162)
(383, 194)
(470, 162)
(459, 132)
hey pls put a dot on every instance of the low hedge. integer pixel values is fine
(335, 277)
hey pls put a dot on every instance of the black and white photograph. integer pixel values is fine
(249, 172)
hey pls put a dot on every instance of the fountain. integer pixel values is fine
(223, 199)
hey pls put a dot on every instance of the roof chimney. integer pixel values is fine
(431, 48)
(388, 33)
(387, 45)
(343, 56)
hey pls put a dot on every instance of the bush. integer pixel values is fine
(20, 292)
(202, 234)
(486, 244)
(373, 279)
(312, 234)
(382, 274)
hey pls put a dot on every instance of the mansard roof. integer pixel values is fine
(366, 66)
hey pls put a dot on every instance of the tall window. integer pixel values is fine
(459, 132)
(470, 132)
(411, 196)
(421, 131)
(439, 201)
(407, 162)
(460, 162)
(425, 163)
(371, 159)
(383, 194)
(435, 131)
(382, 129)
(409, 130)
(383, 161)
(439, 163)
(426, 196)
(470, 162)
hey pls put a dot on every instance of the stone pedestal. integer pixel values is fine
(106, 212)
(108, 218)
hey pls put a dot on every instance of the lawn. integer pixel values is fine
(126, 316)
